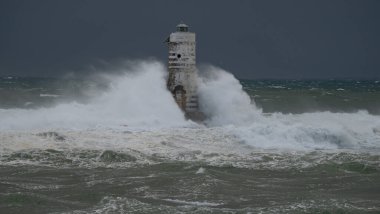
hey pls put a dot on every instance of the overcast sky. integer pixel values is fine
(252, 39)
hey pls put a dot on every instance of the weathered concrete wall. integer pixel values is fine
(182, 80)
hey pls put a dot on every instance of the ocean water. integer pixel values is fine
(117, 143)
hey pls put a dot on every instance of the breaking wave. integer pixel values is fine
(138, 114)
(137, 97)
(227, 105)
(223, 100)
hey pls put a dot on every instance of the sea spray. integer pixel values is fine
(226, 104)
(223, 99)
(104, 155)
(137, 97)
(140, 96)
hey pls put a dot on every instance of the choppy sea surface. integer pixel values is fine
(119, 144)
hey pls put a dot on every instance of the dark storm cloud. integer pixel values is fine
(252, 39)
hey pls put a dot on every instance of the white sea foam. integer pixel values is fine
(194, 203)
(138, 114)
(136, 98)
(201, 170)
(227, 105)
(223, 100)
(50, 95)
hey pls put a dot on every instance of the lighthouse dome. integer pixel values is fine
(182, 27)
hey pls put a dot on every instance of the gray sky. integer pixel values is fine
(252, 39)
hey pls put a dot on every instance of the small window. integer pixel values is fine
(179, 56)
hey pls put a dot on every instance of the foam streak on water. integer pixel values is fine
(136, 129)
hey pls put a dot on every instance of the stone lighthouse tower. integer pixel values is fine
(182, 80)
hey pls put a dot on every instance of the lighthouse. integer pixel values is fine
(182, 78)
